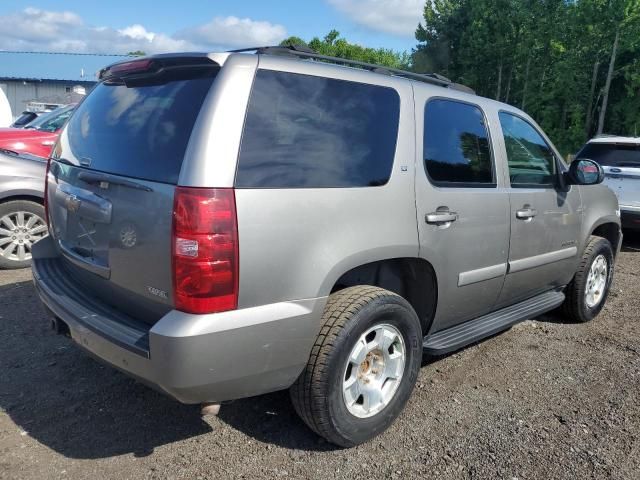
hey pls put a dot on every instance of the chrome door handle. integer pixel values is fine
(441, 217)
(526, 213)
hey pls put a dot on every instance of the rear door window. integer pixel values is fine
(612, 155)
(304, 131)
(139, 130)
(456, 146)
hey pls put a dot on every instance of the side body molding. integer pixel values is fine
(481, 274)
(542, 259)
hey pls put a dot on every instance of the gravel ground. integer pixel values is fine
(544, 400)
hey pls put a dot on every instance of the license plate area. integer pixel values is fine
(88, 239)
(88, 218)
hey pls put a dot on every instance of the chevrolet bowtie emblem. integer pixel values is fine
(72, 203)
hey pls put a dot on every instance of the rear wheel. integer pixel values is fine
(362, 368)
(21, 225)
(587, 292)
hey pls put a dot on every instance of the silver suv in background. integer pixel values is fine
(21, 207)
(620, 160)
(225, 225)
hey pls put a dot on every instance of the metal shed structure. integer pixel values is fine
(48, 78)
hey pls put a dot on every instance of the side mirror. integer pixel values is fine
(583, 171)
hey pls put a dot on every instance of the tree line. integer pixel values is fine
(574, 66)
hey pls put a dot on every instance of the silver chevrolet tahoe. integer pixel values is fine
(225, 225)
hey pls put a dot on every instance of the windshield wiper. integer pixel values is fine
(97, 178)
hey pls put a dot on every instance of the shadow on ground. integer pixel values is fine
(69, 402)
(80, 408)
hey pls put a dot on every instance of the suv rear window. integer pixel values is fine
(139, 130)
(304, 131)
(611, 154)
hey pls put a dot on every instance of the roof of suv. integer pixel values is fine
(615, 139)
(304, 54)
(297, 53)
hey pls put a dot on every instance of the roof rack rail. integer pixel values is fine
(304, 52)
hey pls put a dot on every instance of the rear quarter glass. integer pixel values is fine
(139, 131)
(305, 131)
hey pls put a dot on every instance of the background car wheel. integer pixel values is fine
(362, 368)
(21, 225)
(587, 292)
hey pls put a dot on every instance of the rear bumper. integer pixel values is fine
(193, 358)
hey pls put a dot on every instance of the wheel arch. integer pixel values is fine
(413, 278)
(26, 196)
(610, 230)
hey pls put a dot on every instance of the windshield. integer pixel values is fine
(52, 121)
(612, 154)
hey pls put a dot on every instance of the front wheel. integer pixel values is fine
(587, 292)
(362, 368)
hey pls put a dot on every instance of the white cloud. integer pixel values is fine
(137, 32)
(236, 32)
(36, 25)
(39, 30)
(398, 17)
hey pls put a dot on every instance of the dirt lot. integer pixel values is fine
(543, 400)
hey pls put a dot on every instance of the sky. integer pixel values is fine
(156, 26)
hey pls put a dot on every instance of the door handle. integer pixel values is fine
(526, 213)
(441, 217)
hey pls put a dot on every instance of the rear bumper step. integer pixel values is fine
(65, 298)
(454, 338)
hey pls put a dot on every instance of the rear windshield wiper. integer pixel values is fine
(97, 178)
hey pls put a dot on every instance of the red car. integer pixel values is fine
(38, 137)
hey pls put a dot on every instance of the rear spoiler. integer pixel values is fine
(156, 65)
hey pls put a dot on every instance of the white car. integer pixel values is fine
(6, 116)
(620, 159)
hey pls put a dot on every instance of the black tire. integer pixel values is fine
(317, 394)
(575, 306)
(9, 208)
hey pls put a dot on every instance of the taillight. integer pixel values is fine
(46, 192)
(205, 250)
(135, 66)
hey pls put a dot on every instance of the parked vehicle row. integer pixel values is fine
(38, 136)
(227, 225)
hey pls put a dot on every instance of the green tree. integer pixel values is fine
(557, 59)
(335, 46)
(291, 41)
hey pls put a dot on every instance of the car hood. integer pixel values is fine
(24, 134)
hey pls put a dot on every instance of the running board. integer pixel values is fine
(458, 336)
